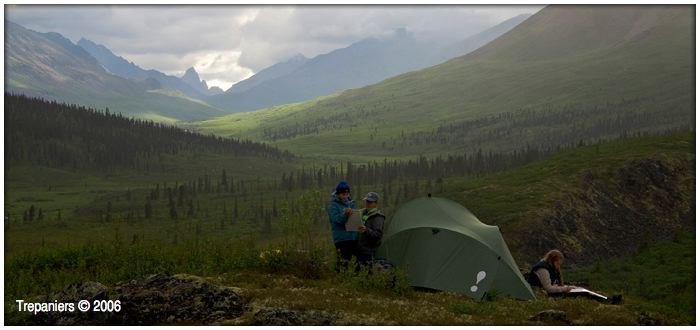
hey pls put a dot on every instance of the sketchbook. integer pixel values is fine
(589, 292)
(355, 220)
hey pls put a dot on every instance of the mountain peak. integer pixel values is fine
(192, 78)
(191, 73)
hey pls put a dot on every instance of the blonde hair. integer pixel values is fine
(552, 257)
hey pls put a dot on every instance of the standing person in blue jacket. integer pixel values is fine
(339, 211)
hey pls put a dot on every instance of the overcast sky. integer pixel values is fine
(226, 44)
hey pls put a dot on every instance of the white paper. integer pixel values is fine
(355, 220)
(582, 290)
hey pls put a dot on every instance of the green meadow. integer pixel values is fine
(573, 131)
(43, 256)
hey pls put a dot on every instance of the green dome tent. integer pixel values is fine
(443, 246)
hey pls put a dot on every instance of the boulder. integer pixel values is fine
(164, 299)
(156, 299)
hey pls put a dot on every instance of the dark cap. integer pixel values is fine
(372, 197)
(342, 187)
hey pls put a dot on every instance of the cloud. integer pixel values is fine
(281, 32)
(227, 43)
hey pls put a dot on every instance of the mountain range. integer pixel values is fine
(190, 84)
(50, 66)
(91, 74)
(362, 63)
(365, 62)
(566, 74)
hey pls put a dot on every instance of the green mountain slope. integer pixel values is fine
(566, 74)
(52, 67)
(365, 62)
(46, 255)
(593, 201)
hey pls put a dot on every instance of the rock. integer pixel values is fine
(157, 299)
(550, 316)
(162, 299)
(282, 317)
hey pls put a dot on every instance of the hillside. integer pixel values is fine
(574, 130)
(58, 135)
(520, 201)
(50, 66)
(74, 173)
(362, 63)
(275, 71)
(568, 73)
(482, 38)
(594, 201)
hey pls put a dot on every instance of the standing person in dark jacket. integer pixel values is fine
(371, 230)
(339, 211)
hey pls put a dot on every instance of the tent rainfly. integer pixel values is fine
(443, 246)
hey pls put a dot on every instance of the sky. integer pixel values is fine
(227, 43)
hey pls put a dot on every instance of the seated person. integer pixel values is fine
(547, 275)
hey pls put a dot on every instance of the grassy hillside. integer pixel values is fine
(87, 245)
(593, 201)
(365, 62)
(503, 198)
(553, 79)
(646, 278)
